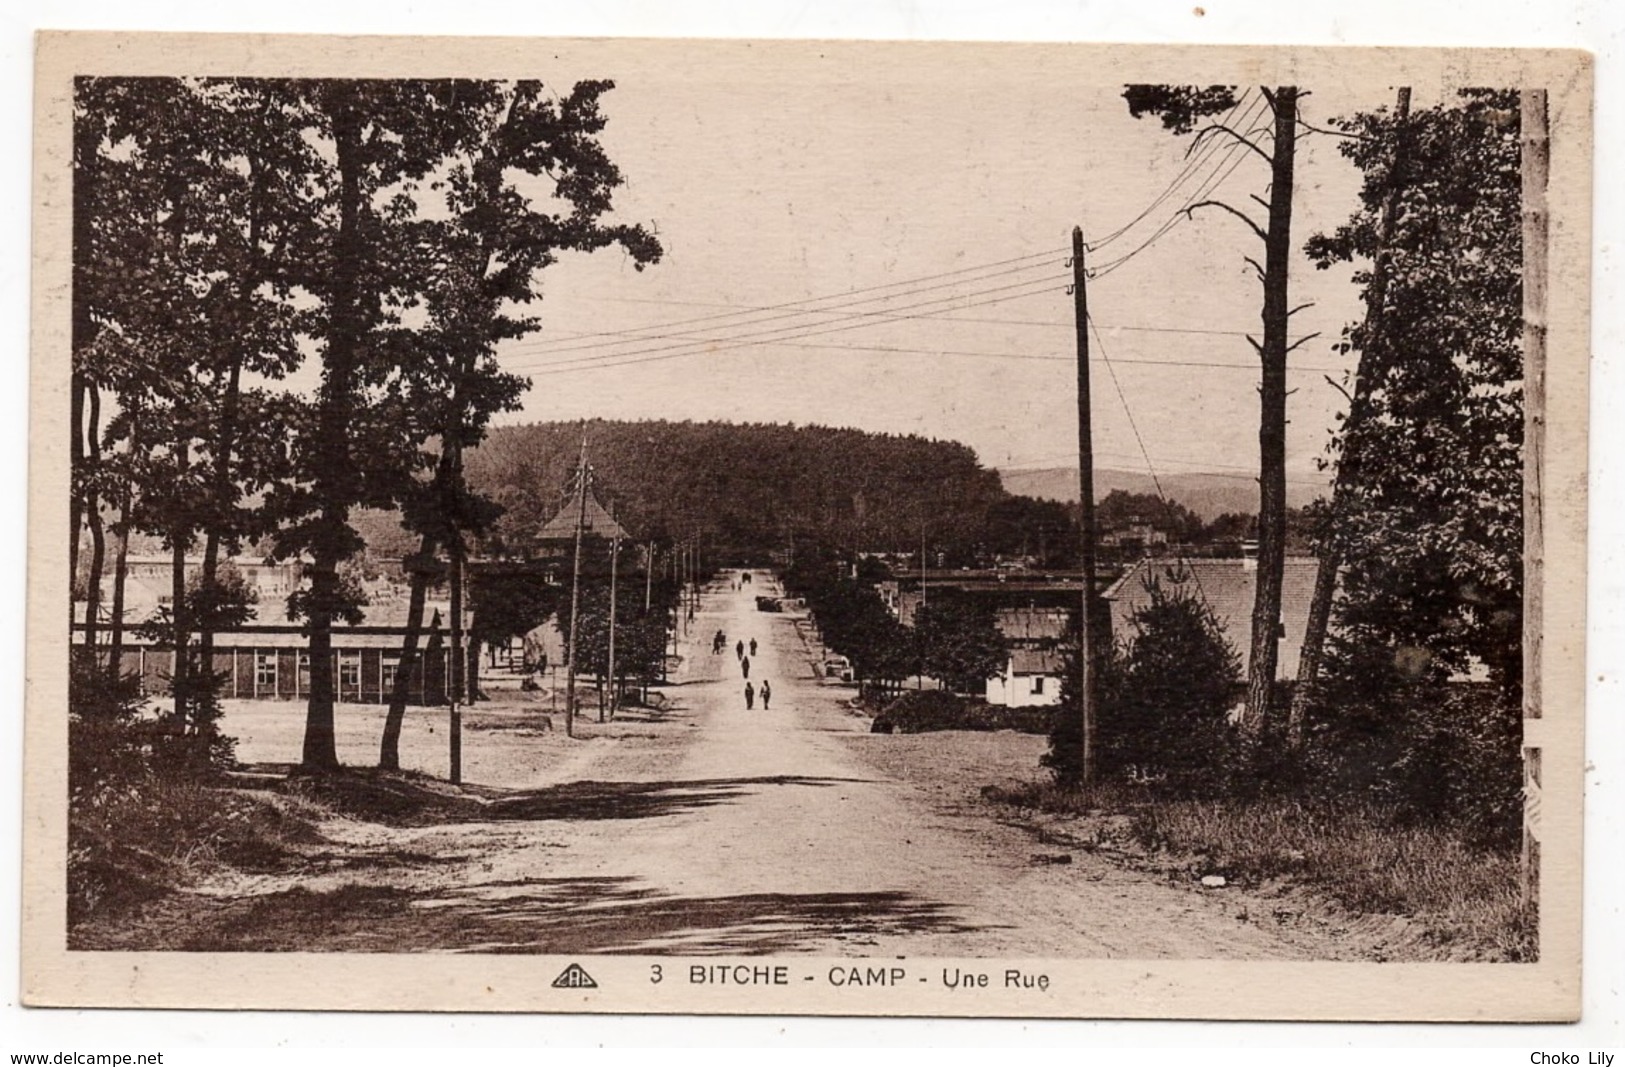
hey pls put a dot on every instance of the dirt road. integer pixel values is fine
(711, 828)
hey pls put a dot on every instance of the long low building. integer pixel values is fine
(272, 662)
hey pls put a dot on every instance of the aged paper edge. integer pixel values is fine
(1192, 989)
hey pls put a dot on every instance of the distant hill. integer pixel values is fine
(1207, 494)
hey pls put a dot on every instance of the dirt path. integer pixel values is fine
(716, 829)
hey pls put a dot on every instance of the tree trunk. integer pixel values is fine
(389, 752)
(76, 465)
(179, 633)
(1261, 663)
(226, 433)
(1349, 464)
(335, 482)
(121, 570)
(93, 517)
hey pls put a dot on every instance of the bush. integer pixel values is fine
(937, 709)
(1434, 752)
(1165, 697)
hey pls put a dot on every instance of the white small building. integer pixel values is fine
(1031, 678)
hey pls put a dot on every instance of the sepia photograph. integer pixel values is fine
(807, 527)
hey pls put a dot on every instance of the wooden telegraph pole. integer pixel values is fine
(1089, 697)
(575, 591)
(614, 562)
(457, 665)
(1536, 153)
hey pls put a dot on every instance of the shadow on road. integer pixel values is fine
(407, 800)
(561, 915)
(637, 800)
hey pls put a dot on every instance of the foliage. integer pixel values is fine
(852, 619)
(1430, 525)
(1166, 716)
(392, 231)
(1120, 508)
(919, 711)
(1165, 696)
(749, 491)
(1180, 107)
(960, 642)
(1432, 530)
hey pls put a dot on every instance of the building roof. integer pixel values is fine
(1033, 624)
(1227, 586)
(598, 522)
(1035, 661)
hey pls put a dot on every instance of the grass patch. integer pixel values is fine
(137, 838)
(1466, 898)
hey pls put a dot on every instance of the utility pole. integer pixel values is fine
(648, 577)
(1089, 702)
(582, 474)
(1536, 155)
(614, 562)
(457, 665)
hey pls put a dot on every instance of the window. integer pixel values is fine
(265, 670)
(1038, 685)
(390, 665)
(349, 670)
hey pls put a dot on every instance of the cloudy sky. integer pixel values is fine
(903, 226)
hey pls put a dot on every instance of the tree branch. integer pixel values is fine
(1221, 204)
(1300, 307)
(1312, 128)
(1305, 339)
(1256, 267)
(1260, 201)
(1254, 342)
(1219, 127)
(1339, 388)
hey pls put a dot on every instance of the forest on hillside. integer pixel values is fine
(749, 490)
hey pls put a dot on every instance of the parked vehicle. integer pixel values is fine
(837, 667)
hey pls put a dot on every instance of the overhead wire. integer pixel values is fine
(695, 348)
(906, 284)
(712, 344)
(1234, 154)
(1194, 160)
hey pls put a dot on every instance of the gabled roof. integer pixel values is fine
(598, 522)
(1228, 587)
(1035, 661)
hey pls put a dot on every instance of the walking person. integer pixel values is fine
(739, 650)
(750, 697)
(767, 694)
(753, 646)
(744, 665)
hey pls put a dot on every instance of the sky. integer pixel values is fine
(802, 181)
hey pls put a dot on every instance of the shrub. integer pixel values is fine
(1165, 695)
(938, 709)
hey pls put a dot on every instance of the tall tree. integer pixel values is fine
(1430, 525)
(1382, 192)
(484, 261)
(1182, 109)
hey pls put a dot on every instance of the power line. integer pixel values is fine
(915, 282)
(839, 311)
(1235, 155)
(617, 359)
(944, 317)
(1193, 162)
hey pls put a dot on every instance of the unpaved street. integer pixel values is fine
(715, 829)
